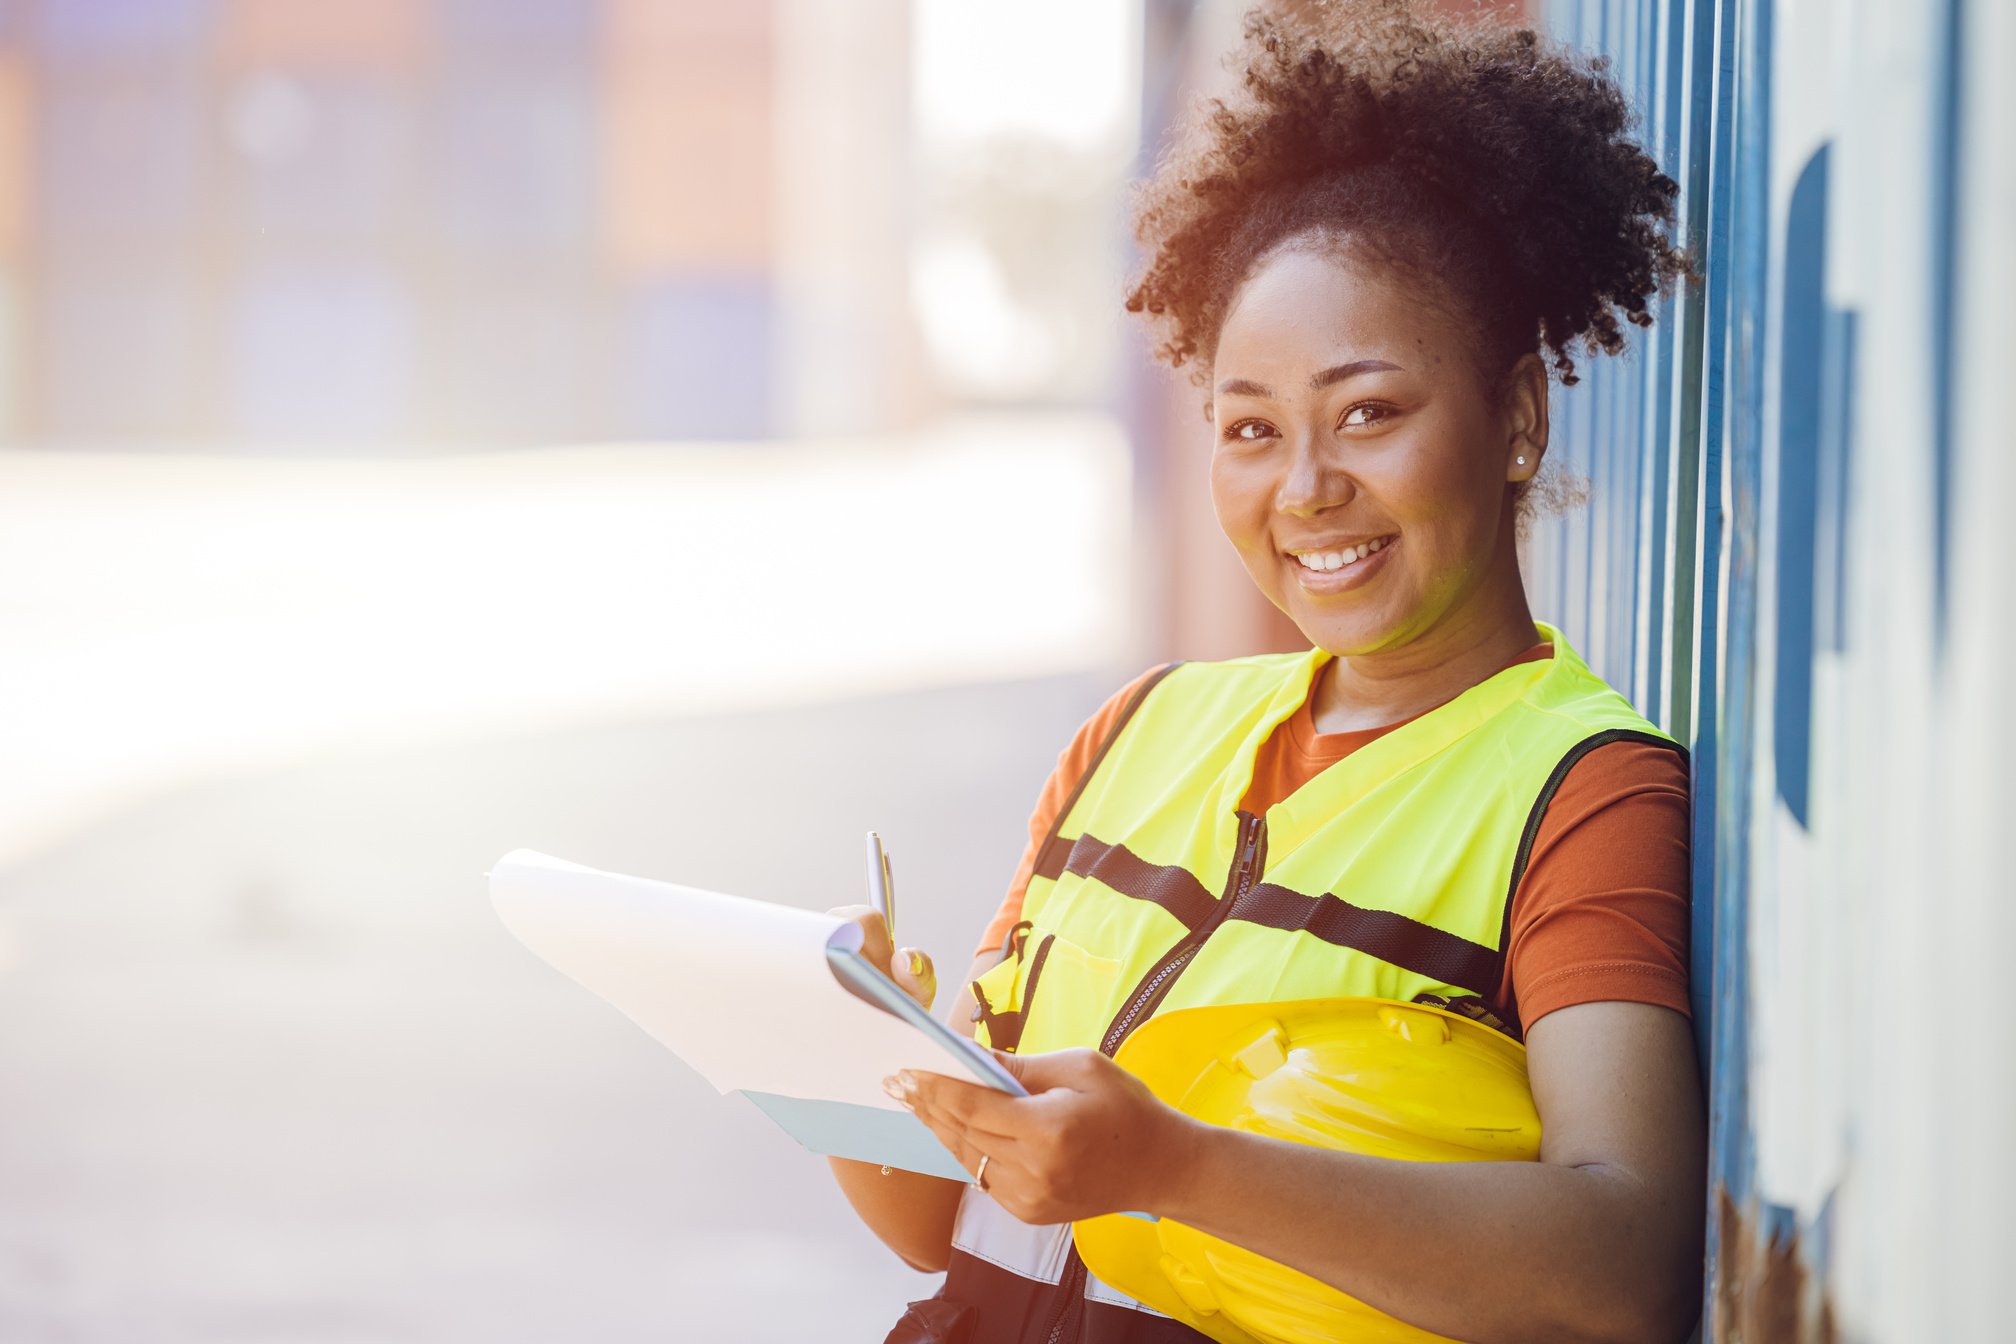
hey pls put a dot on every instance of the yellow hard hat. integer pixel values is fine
(1371, 1076)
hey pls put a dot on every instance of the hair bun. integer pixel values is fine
(1474, 150)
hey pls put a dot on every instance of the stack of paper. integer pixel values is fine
(766, 1000)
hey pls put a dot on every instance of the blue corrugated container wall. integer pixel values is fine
(1794, 557)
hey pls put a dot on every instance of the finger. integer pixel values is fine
(971, 1106)
(875, 944)
(963, 1145)
(1017, 1068)
(1072, 1069)
(914, 974)
(1006, 1171)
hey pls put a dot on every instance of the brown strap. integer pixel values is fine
(1384, 934)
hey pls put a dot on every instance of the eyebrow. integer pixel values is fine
(1246, 387)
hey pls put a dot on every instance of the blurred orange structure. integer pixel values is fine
(688, 137)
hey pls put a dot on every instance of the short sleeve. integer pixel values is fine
(1602, 910)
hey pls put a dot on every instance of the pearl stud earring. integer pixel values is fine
(1521, 461)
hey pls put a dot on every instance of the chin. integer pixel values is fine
(1344, 639)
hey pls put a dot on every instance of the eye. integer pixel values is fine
(1247, 431)
(1367, 413)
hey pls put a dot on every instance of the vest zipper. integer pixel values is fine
(1070, 1295)
(1155, 986)
(1249, 858)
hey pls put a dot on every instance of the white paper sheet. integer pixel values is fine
(739, 989)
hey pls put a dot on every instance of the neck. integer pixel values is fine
(1371, 690)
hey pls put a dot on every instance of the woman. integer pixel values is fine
(1367, 259)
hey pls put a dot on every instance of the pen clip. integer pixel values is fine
(889, 897)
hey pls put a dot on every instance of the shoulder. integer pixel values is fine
(1098, 731)
(1253, 675)
(1124, 701)
(1601, 750)
(1570, 704)
(1079, 754)
(1611, 768)
(1614, 806)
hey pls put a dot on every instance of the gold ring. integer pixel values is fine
(980, 1173)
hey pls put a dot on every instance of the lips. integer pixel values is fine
(1339, 569)
(1328, 559)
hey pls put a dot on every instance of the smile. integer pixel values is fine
(1324, 562)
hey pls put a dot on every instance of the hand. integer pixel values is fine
(1090, 1139)
(909, 967)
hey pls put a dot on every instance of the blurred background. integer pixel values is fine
(681, 437)
(430, 427)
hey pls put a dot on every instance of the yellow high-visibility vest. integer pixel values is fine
(1388, 876)
(1383, 882)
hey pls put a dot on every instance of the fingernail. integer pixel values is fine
(916, 965)
(893, 1088)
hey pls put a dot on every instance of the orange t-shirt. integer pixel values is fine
(1601, 911)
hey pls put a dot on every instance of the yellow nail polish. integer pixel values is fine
(916, 965)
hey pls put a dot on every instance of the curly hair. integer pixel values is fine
(1473, 154)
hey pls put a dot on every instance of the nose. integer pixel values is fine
(1311, 482)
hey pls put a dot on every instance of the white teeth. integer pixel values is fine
(1325, 561)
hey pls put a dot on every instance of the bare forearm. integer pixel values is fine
(1493, 1252)
(912, 1214)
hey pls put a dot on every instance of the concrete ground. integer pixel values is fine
(270, 1070)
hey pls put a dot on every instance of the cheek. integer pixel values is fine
(1444, 489)
(1240, 499)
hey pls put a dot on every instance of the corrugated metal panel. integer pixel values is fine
(1813, 459)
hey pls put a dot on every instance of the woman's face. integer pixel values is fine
(1360, 466)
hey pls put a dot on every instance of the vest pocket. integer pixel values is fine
(1074, 984)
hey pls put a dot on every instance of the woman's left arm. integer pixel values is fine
(1599, 1241)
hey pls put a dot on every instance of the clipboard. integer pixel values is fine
(767, 1000)
(860, 975)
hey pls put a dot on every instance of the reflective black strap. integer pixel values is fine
(1391, 937)
(1385, 934)
(1174, 888)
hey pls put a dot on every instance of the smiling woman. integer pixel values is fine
(1348, 419)
(1436, 820)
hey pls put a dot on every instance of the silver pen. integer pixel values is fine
(881, 884)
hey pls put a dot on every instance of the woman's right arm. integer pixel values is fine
(911, 1213)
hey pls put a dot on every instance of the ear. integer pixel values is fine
(1523, 412)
